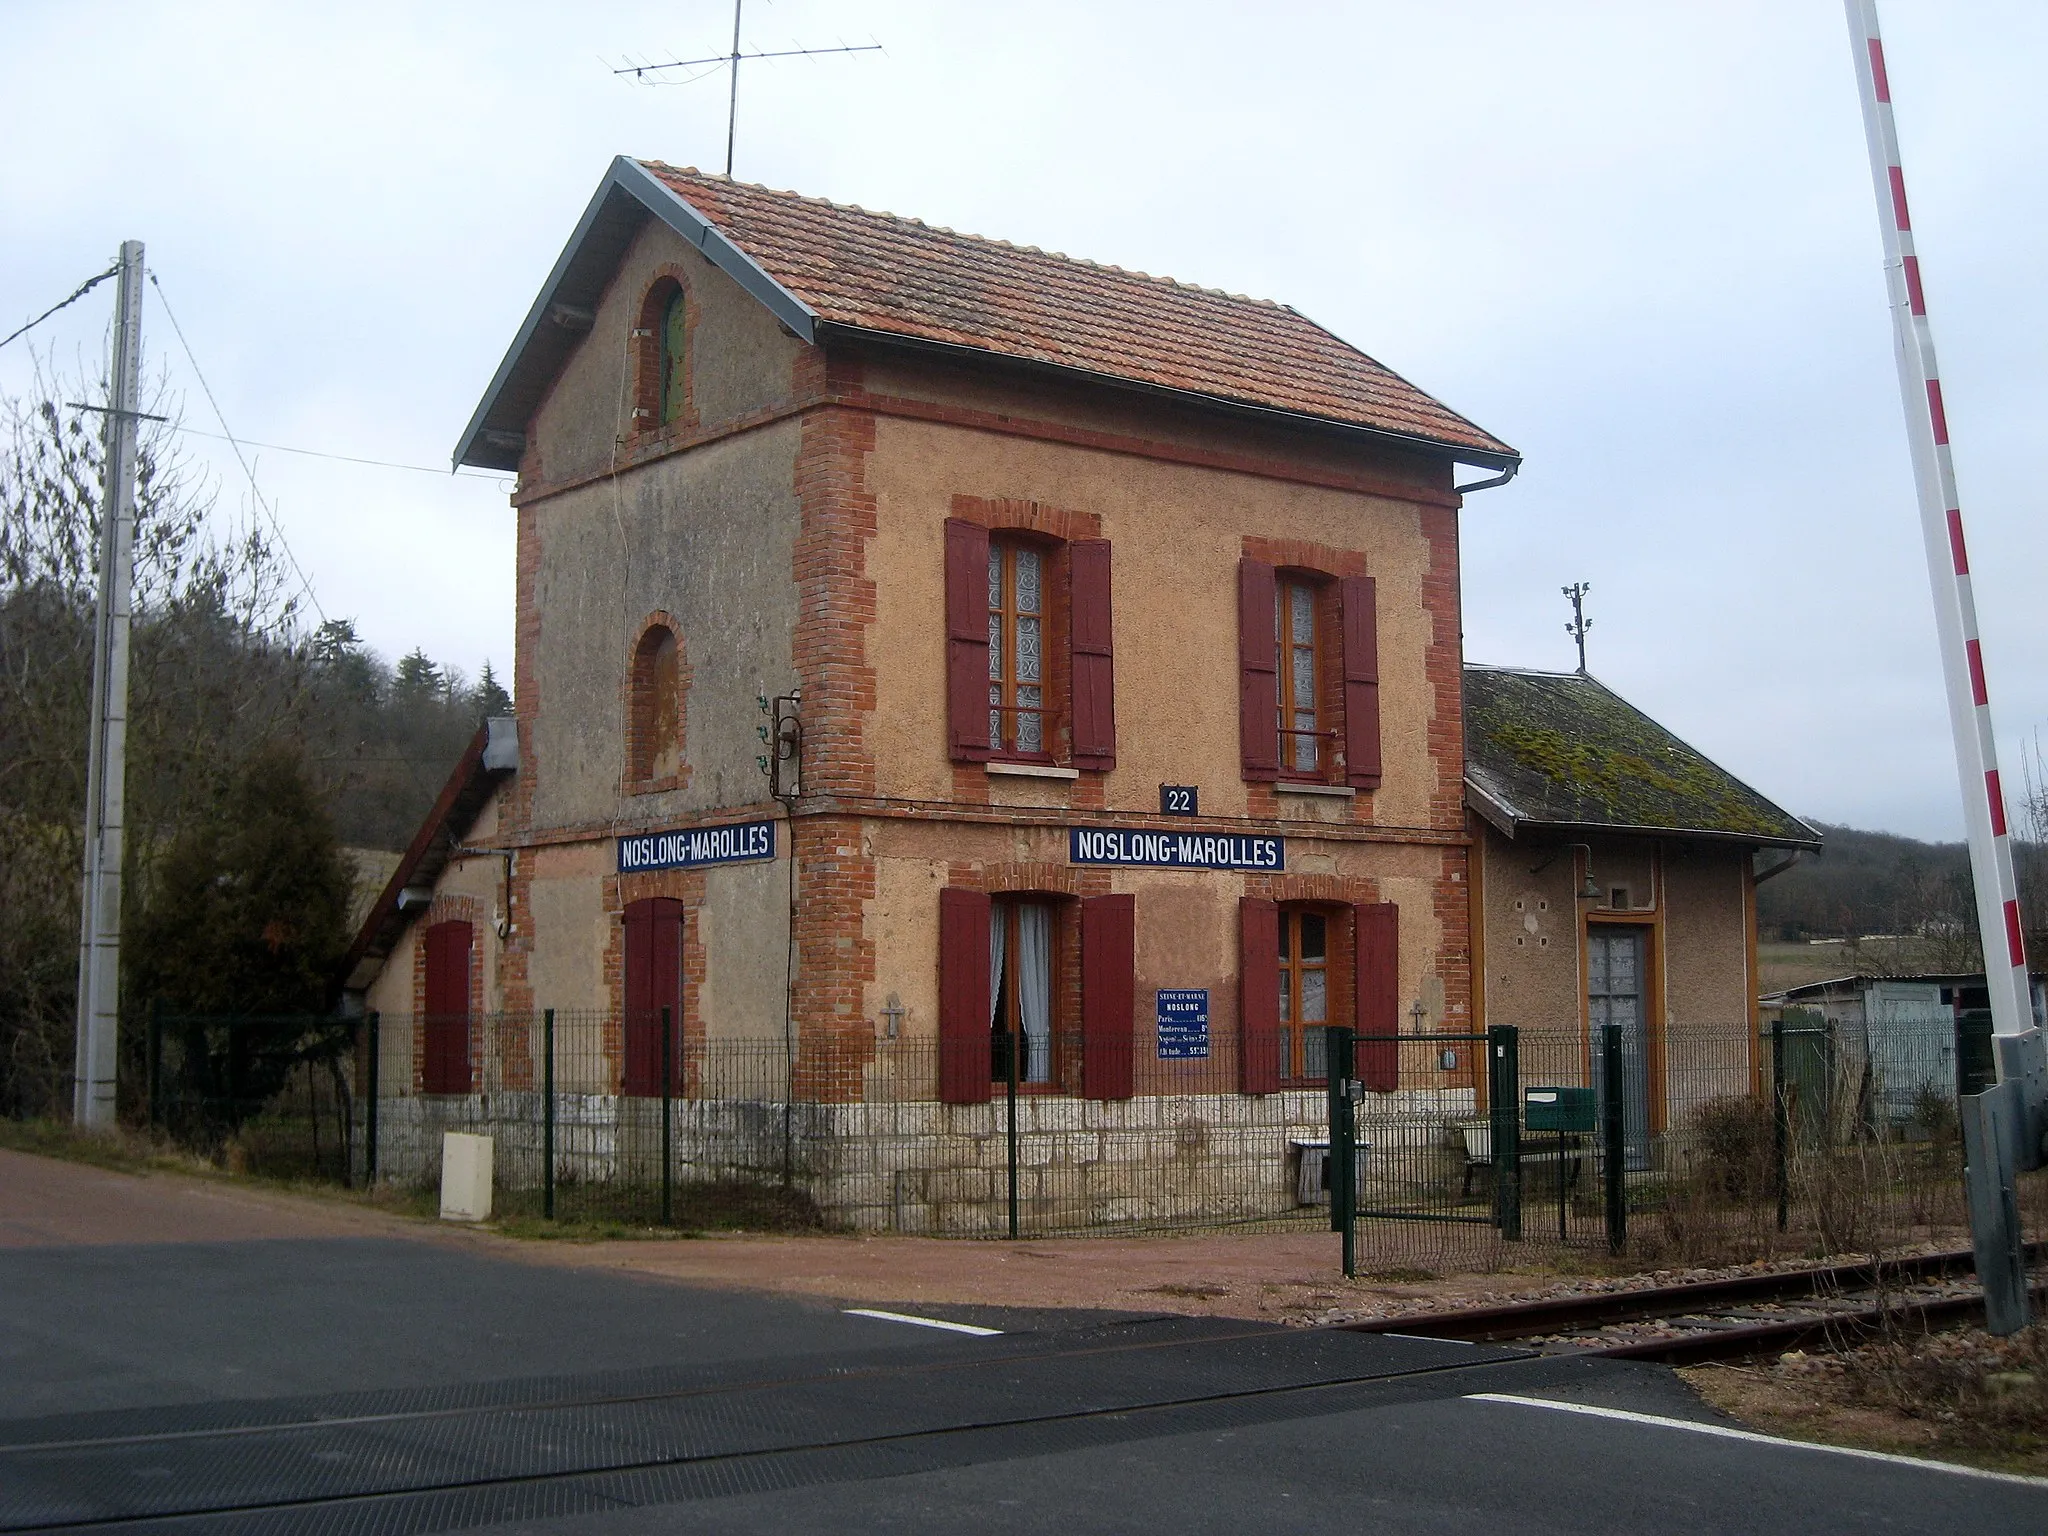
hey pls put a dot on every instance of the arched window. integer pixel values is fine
(654, 738)
(671, 340)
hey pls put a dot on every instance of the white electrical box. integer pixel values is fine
(465, 1177)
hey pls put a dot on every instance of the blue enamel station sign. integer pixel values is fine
(1176, 850)
(693, 847)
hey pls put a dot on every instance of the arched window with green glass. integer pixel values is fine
(672, 337)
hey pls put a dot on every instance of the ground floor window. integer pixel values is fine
(1304, 995)
(1020, 984)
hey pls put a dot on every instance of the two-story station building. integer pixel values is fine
(1119, 622)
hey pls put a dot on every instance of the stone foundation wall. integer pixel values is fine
(927, 1167)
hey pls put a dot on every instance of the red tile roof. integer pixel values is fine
(877, 272)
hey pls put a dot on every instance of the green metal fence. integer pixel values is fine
(1699, 1145)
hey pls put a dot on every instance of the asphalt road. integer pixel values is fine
(370, 1383)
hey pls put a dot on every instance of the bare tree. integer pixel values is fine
(217, 669)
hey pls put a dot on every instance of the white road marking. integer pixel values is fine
(923, 1322)
(1722, 1432)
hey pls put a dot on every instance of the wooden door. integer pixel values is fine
(654, 982)
(446, 1067)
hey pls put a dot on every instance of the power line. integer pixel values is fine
(277, 527)
(345, 458)
(82, 290)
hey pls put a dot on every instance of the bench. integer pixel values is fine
(1476, 1141)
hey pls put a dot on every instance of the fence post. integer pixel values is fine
(1504, 1097)
(370, 1105)
(1010, 1039)
(547, 1114)
(156, 1062)
(668, 1206)
(1614, 1137)
(1341, 1058)
(1781, 1125)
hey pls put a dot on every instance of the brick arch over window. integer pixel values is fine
(664, 337)
(657, 693)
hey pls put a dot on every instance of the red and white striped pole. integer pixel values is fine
(1948, 565)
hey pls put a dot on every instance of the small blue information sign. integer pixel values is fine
(697, 846)
(1184, 1024)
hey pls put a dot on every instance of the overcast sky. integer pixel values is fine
(1635, 240)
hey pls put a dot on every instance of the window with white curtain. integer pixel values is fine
(1020, 965)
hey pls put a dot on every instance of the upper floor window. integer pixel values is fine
(1298, 641)
(672, 339)
(1308, 675)
(1016, 648)
(1029, 666)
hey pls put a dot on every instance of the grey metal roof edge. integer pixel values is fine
(1690, 834)
(674, 210)
(1455, 453)
(629, 176)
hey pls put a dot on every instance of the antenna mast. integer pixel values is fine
(731, 60)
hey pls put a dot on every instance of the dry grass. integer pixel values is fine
(1961, 1396)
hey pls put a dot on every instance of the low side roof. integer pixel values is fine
(822, 266)
(492, 755)
(1560, 750)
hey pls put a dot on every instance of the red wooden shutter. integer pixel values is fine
(1089, 651)
(1258, 676)
(1109, 962)
(1361, 683)
(963, 996)
(445, 1068)
(654, 981)
(967, 641)
(1258, 996)
(1376, 934)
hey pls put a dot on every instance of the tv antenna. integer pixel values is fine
(1578, 624)
(732, 60)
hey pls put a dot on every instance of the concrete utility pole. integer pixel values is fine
(99, 944)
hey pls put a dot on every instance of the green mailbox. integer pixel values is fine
(1561, 1109)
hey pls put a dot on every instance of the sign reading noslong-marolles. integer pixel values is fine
(695, 846)
(1175, 850)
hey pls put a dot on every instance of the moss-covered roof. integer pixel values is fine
(1560, 749)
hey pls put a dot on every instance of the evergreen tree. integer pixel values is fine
(248, 918)
(418, 679)
(490, 698)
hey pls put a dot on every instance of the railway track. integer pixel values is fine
(1829, 1307)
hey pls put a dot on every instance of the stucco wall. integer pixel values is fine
(707, 537)
(1176, 532)
(739, 360)
(1532, 935)
(1186, 926)
(1706, 939)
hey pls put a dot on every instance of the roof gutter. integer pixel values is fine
(828, 331)
(1486, 485)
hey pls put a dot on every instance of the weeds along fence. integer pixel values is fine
(1704, 1145)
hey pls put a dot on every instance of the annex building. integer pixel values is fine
(939, 660)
